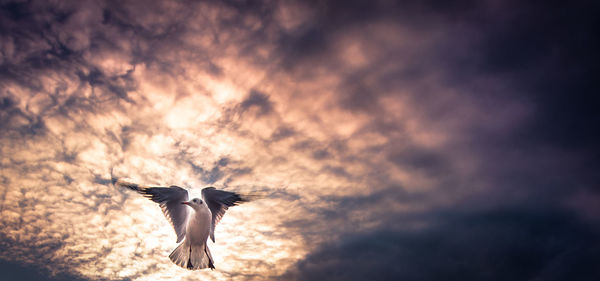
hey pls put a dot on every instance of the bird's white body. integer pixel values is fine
(193, 253)
(198, 226)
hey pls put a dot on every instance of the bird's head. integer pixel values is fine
(194, 203)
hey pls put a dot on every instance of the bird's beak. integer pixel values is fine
(186, 203)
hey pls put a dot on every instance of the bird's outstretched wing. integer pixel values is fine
(169, 199)
(218, 201)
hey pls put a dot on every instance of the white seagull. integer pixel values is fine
(192, 226)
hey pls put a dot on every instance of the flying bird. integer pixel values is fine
(193, 220)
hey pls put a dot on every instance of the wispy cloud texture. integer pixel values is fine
(387, 137)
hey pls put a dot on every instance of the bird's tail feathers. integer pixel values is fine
(211, 264)
(192, 257)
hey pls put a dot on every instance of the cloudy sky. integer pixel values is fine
(391, 140)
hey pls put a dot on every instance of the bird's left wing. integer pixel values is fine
(218, 201)
(169, 199)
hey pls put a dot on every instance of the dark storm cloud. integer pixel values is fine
(211, 175)
(12, 271)
(542, 53)
(258, 100)
(282, 133)
(544, 50)
(420, 160)
(118, 85)
(501, 244)
(41, 252)
(32, 43)
(14, 120)
(384, 208)
(42, 42)
(547, 49)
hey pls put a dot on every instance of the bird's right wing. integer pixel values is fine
(169, 199)
(218, 201)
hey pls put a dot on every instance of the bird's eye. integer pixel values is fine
(195, 201)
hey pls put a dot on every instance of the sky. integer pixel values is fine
(389, 140)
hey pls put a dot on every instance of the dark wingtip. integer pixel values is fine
(113, 179)
(248, 197)
(132, 186)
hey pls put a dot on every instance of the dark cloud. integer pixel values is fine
(44, 250)
(391, 207)
(282, 133)
(544, 52)
(223, 170)
(502, 244)
(337, 170)
(213, 174)
(321, 154)
(14, 271)
(258, 100)
(420, 160)
(540, 54)
(118, 85)
(15, 120)
(548, 53)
